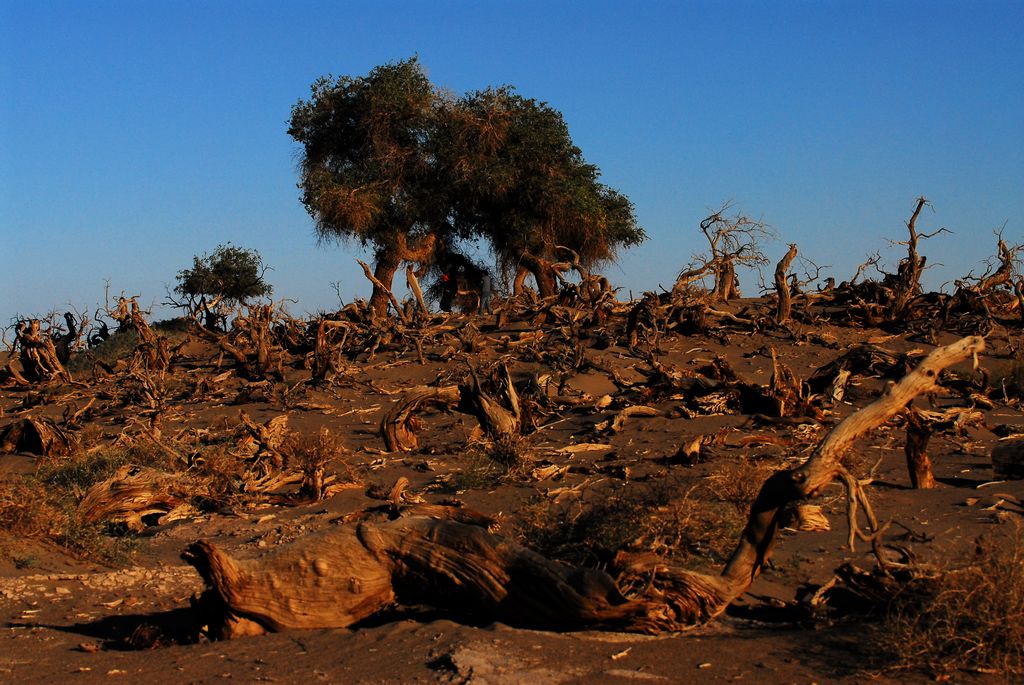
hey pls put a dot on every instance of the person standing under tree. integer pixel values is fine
(485, 293)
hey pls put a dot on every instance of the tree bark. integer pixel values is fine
(543, 274)
(918, 463)
(383, 274)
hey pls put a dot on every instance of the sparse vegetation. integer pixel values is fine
(968, 615)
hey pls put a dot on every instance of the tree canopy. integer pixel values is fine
(521, 182)
(231, 274)
(408, 170)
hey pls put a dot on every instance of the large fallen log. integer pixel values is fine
(352, 572)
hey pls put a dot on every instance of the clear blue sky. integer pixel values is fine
(137, 134)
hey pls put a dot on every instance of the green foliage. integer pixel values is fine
(521, 182)
(389, 160)
(232, 273)
(366, 171)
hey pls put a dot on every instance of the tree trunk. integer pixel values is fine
(918, 463)
(543, 274)
(785, 305)
(725, 281)
(384, 269)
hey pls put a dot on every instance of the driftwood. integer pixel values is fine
(498, 418)
(134, 494)
(355, 571)
(397, 426)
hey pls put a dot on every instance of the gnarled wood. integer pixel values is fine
(134, 493)
(397, 429)
(825, 463)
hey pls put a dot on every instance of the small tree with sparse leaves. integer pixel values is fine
(229, 276)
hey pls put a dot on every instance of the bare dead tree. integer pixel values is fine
(37, 353)
(872, 261)
(1001, 270)
(733, 241)
(909, 270)
(785, 304)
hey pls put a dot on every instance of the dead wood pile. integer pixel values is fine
(344, 576)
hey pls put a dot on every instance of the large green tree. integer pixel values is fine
(519, 181)
(367, 169)
(406, 170)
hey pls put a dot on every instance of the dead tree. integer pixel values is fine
(38, 354)
(64, 342)
(907, 279)
(354, 571)
(499, 417)
(733, 241)
(919, 465)
(785, 304)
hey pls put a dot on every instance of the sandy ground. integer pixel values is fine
(64, 619)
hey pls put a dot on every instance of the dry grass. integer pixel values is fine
(968, 616)
(512, 454)
(44, 506)
(312, 455)
(738, 481)
(662, 518)
(26, 510)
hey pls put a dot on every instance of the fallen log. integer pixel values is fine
(354, 571)
(37, 436)
(136, 493)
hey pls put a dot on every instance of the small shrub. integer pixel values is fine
(44, 506)
(311, 455)
(511, 453)
(655, 518)
(118, 346)
(71, 477)
(969, 616)
(26, 510)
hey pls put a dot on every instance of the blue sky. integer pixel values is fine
(134, 135)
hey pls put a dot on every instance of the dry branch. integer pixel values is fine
(383, 288)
